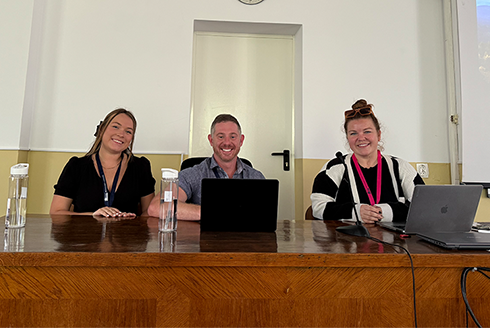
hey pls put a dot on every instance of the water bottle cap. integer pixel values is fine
(19, 169)
(169, 174)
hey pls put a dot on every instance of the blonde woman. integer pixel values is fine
(109, 180)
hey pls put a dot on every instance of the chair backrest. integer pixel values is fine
(191, 161)
(309, 214)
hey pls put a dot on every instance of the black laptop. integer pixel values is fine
(239, 205)
(439, 208)
(458, 240)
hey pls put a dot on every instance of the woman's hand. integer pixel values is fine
(112, 213)
(371, 214)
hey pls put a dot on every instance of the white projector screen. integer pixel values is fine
(474, 47)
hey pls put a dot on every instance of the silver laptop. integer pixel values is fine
(440, 208)
(458, 240)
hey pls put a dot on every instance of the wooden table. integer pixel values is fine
(77, 271)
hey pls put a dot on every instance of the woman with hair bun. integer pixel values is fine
(381, 185)
(109, 180)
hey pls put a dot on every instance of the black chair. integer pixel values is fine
(309, 214)
(191, 161)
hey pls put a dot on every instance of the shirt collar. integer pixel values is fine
(239, 165)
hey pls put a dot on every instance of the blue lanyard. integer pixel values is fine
(108, 199)
(215, 170)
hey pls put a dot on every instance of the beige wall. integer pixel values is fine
(299, 192)
(45, 168)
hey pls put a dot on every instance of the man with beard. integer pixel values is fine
(226, 138)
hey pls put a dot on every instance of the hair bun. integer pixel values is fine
(361, 103)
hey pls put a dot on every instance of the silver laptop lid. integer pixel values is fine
(443, 208)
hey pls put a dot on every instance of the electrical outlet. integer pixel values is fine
(423, 170)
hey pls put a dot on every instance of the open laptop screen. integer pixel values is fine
(244, 205)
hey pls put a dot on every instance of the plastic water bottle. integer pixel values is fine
(167, 241)
(13, 240)
(17, 196)
(169, 194)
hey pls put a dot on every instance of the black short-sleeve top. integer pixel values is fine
(80, 182)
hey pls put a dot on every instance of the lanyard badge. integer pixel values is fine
(378, 178)
(108, 198)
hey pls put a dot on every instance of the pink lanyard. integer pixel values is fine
(378, 183)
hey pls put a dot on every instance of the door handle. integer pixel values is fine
(285, 155)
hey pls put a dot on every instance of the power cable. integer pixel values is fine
(413, 274)
(464, 276)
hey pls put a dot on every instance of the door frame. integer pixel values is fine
(296, 31)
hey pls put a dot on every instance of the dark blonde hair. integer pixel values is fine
(102, 127)
(362, 103)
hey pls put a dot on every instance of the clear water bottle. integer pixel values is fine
(169, 194)
(17, 196)
(13, 240)
(167, 241)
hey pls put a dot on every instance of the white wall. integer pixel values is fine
(15, 29)
(475, 90)
(101, 54)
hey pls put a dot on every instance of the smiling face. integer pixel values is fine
(363, 137)
(119, 134)
(226, 141)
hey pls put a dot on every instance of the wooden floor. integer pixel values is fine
(79, 272)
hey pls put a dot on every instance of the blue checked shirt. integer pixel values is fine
(190, 178)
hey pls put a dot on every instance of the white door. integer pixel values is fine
(250, 77)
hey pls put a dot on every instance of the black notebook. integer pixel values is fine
(240, 205)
